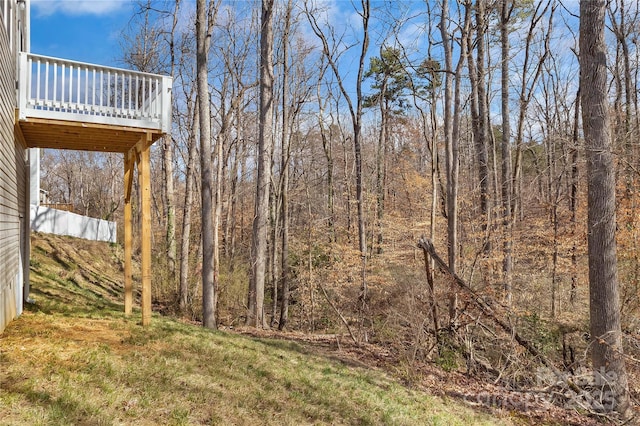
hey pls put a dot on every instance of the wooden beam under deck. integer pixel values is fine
(144, 176)
(135, 144)
(129, 164)
(82, 136)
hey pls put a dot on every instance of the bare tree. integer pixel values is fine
(205, 18)
(284, 181)
(451, 124)
(144, 49)
(623, 19)
(230, 85)
(256, 317)
(528, 85)
(185, 243)
(355, 112)
(506, 9)
(606, 336)
(326, 134)
(479, 111)
(167, 162)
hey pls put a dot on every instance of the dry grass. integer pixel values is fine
(74, 359)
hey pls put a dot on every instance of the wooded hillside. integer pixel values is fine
(348, 131)
(74, 357)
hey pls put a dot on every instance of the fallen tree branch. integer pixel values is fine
(486, 308)
(432, 298)
(342, 318)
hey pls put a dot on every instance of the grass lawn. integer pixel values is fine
(74, 359)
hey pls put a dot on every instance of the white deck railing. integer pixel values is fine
(59, 89)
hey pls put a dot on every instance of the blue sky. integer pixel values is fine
(80, 30)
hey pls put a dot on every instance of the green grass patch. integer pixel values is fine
(68, 362)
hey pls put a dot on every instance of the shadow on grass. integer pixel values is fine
(285, 345)
(321, 349)
(63, 409)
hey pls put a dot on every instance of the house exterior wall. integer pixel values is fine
(14, 214)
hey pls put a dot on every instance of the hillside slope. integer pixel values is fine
(73, 358)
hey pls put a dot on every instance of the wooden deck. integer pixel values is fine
(82, 136)
(64, 104)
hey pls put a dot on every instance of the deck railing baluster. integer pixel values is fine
(93, 90)
(52, 85)
(70, 100)
(37, 79)
(85, 75)
(62, 75)
(54, 89)
(144, 96)
(121, 112)
(79, 95)
(121, 109)
(46, 83)
(101, 82)
(109, 100)
(137, 89)
(158, 102)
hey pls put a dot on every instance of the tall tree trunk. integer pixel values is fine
(479, 116)
(606, 336)
(435, 158)
(237, 170)
(327, 147)
(507, 263)
(452, 134)
(217, 211)
(622, 33)
(170, 236)
(573, 200)
(483, 122)
(429, 127)
(356, 120)
(204, 25)
(284, 268)
(381, 160)
(448, 134)
(273, 243)
(259, 244)
(185, 242)
(284, 183)
(231, 198)
(167, 160)
(527, 89)
(357, 145)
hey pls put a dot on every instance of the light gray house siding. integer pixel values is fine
(13, 179)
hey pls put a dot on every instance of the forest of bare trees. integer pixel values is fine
(315, 143)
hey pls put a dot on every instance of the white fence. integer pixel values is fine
(55, 88)
(52, 221)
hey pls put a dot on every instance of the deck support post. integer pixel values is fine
(141, 155)
(129, 164)
(144, 175)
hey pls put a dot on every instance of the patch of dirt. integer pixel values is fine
(84, 333)
(334, 346)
